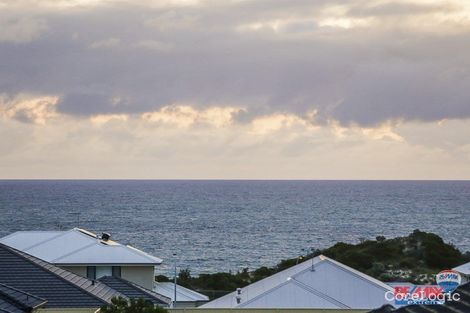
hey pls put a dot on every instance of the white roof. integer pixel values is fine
(183, 294)
(327, 284)
(76, 247)
(464, 268)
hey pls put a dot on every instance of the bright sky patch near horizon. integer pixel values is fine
(294, 89)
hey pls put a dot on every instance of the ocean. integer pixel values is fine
(229, 225)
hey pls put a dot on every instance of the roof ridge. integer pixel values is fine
(17, 302)
(284, 270)
(302, 286)
(319, 293)
(85, 232)
(72, 252)
(261, 294)
(358, 274)
(37, 263)
(62, 233)
(29, 231)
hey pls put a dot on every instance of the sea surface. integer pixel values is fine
(229, 225)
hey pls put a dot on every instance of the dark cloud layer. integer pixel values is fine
(267, 56)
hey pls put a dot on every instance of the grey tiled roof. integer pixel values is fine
(134, 291)
(8, 307)
(462, 306)
(14, 300)
(61, 288)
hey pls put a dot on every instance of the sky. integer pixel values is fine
(280, 89)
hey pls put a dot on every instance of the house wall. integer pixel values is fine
(79, 270)
(189, 304)
(141, 275)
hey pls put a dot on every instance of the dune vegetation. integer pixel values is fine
(415, 258)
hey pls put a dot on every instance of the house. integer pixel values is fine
(184, 297)
(28, 284)
(318, 283)
(461, 306)
(47, 283)
(464, 271)
(87, 254)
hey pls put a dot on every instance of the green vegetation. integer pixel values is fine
(415, 258)
(121, 305)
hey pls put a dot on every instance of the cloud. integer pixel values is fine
(154, 45)
(28, 109)
(186, 142)
(21, 29)
(106, 43)
(247, 86)
(184, 116)
(91, 104)
(350, 62)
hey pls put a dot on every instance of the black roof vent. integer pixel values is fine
(105, 236)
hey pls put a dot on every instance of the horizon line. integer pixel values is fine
(227, 179)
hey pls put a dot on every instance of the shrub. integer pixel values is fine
(121, 305)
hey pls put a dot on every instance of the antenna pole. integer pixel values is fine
(174, 296)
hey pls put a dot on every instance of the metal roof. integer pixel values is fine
(464, 268)
(61, 288)
(134, 291)
(182, 294)
(77, 247)
(13, 300)
(320, 282)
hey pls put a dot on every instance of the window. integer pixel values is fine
(91, 272)
(96, 272)
(116, 271)
(102, 271)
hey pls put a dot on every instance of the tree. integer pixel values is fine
(184, 278)
(121, 305)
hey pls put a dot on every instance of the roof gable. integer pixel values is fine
(320, 276)
(344, 285)
(291, 294)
